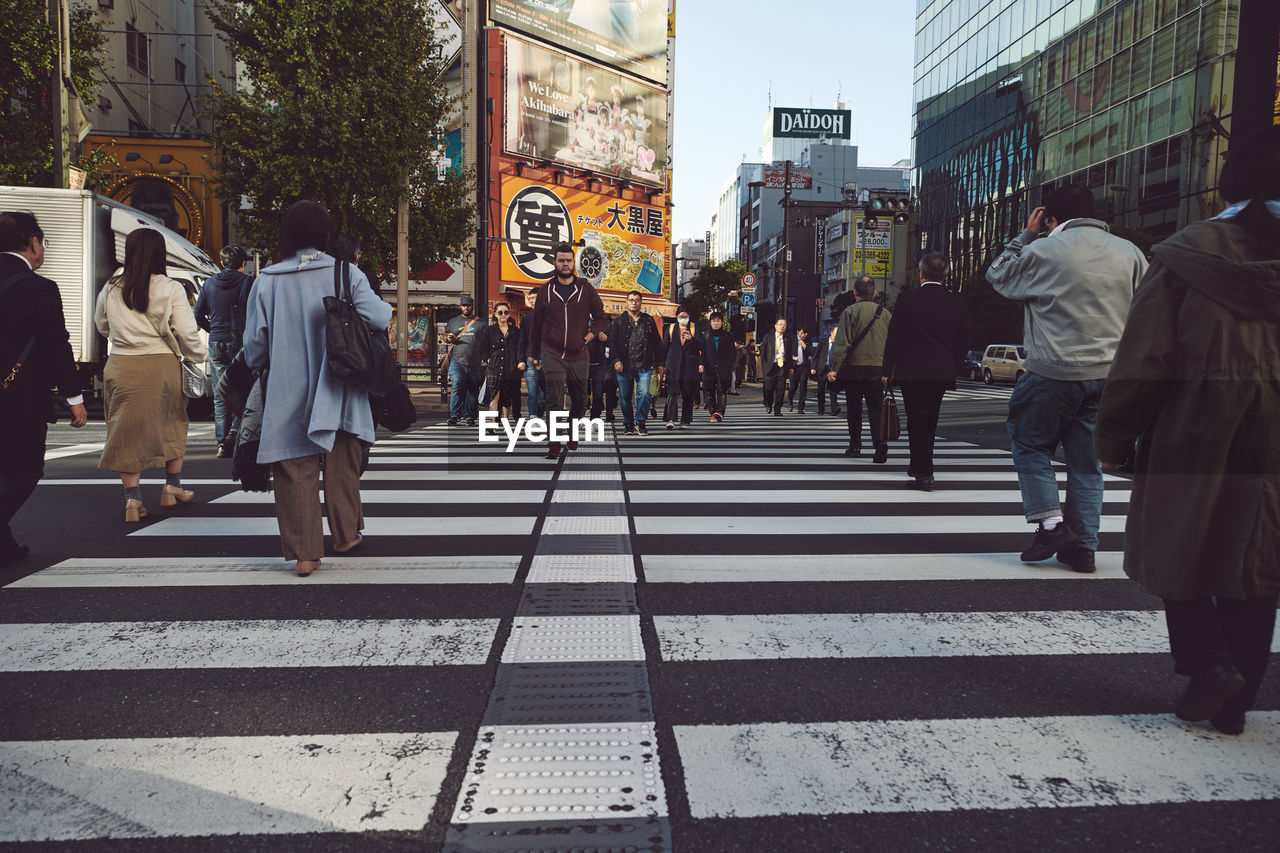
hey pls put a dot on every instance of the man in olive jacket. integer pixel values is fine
(857, 369)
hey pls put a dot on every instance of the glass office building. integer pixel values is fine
(1132, 98)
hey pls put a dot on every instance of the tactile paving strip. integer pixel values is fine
(582, 568)
(605, 543)
(528, 773)
(612, 496)
(587, 508)
(615, 834)
(561, 694)
(588, 599)
(586, 474)
(585, 525)
(556, 639)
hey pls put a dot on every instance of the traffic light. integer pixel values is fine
(895, 203)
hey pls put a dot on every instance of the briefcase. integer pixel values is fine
(890, 425)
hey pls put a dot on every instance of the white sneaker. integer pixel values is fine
(671, 424)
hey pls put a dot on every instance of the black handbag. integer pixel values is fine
(356, 354)
(394, 410)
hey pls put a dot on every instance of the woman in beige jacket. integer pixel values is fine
(148, 320)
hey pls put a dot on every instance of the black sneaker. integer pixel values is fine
(453, 422)
(630, 430)
(1079, 559)
(1210, 688)
(640, 428)
(882, 455)
(853, 450)
(471, 421)
(1049, 542)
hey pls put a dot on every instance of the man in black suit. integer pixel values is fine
(821, 367)
(928, 338)
(35, 354)
(777, 358)
(800, 372)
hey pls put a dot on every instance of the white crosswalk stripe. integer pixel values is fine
(820, 641)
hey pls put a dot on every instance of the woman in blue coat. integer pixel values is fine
(309, 413)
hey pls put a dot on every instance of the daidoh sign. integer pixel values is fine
(805, 123)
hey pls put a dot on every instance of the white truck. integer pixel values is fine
(84, 248)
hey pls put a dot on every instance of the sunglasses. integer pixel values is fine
(500, 313)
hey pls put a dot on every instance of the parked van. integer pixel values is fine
(1004, 362)
(84, 249)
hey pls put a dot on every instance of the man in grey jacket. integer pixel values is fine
(1075, 285)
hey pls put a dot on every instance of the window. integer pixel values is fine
(179, 70)
(136, 53)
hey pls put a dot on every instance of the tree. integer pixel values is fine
(28, 54)
(344, 103)
(713, 286)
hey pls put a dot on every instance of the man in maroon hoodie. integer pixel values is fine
(567, 315)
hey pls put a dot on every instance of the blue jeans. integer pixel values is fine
(462, 391)
(220, 355)
(536, 399)
(634, 383)
(1044, 413)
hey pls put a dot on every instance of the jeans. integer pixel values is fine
(634, 395)
(1044, 413)
(462, 391)
(220, 355)
(536, 397)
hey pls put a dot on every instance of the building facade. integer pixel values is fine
(1135, 99)
(690, 255)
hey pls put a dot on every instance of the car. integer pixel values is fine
(971, 368)
(1003, 361)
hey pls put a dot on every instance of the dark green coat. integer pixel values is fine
(1197, 376)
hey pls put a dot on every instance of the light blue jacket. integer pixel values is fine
(306, 405)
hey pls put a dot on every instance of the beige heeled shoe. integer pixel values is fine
(171, 495)
(134, 511)
(306, 567)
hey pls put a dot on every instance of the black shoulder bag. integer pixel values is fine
(356, 354)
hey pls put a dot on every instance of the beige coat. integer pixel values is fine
(133, 333)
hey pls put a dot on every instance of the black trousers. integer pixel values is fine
(825, 388)
(872, 392)
(923, 402)
(717, 389)
(1205, 631)
(22, 444)
(775, 388)
(799, 382)
(681, 393)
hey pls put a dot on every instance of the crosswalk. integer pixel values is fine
(730, 637)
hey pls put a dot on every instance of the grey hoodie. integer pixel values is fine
(1075, 286)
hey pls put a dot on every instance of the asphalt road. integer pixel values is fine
(728, 638)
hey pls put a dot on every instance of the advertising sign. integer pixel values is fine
(562, 109)
(628, 34)
(801, 179)
(625, 244)
(872, 248)
(806, 123)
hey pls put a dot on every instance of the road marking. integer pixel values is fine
(244, 644)
(1035, 763)
(265, 571)
(841, 496)
(853, 473)
(71, 790)
(841, 525)
(756, 568)
(413, 496)
(780, 636)
(439, 525)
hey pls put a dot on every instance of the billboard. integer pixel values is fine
(625, 241)
(806, 123)
(630, 35)
(873, 248)
(801, 179)
(562, 109)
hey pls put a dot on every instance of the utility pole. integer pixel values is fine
(402, 278)
(786, 241)
(58, 93)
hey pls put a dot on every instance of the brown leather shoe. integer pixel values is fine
(342, 549)
(306, 567)
(171, 495)
(134, 511)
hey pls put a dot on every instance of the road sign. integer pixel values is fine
(748, 281)
(748, 299)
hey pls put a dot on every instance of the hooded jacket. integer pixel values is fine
(1197, 376)
(220, 308)
(559, 326)
(1075, 286)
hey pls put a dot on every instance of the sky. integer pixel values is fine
(729, 51)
